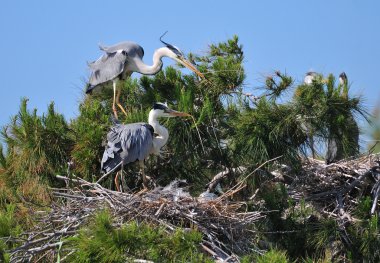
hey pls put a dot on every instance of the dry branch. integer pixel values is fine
(342, 183)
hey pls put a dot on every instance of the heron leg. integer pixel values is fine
(114, 99)
(143, 174)
(116, 182)
(118, 92)
(121, 179)
(310, 137)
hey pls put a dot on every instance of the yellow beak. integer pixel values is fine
(190, 66)
(178, 113)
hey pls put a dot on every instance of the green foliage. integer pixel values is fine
(8, 224)
(37, 145)
(223, 68)
(375, 130)
(272, 256)
(330, 113)
(364, 207)
(290, 226)
(266, 132)
(4, 256)
(371, 240)
(89, 130)
(101, 241)
(8, 228)
(3, 159)
(366, 240)
(325, 233)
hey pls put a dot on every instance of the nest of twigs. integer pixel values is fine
(222, 223)
(336, 188)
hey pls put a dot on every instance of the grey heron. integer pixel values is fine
(310, 76)
(334, 151)
(306, 125)
(343, 140)
(121, 60)
(308, 129)
(343, 78)
(128, 143)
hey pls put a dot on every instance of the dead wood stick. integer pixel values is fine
(50, 236)
(44, 247)
(106, 174)
(66, 256)
(159, 209)
(77, 196)
(323, 194)
(211, 252)
(240, 185)
(67, 178)
(343, 190)
(343, 214)
(376, 191)
(348, 188)
(220, 176)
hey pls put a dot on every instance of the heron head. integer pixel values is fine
(162, 110)
(309, 77)
(343, 78)
(176, 54)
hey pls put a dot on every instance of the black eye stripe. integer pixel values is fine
(159, 106)
(171, 47)
(174, 49)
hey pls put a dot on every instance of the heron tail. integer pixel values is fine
(89, 88)
(111, 164)
(114, 120)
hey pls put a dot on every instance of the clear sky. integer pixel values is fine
(45, 45)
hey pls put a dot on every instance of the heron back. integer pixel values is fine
(127, 143)
(110, 65)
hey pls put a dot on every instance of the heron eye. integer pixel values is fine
(179, 53)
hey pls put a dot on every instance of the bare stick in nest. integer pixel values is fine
(242, 183)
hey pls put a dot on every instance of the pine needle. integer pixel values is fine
(199, 135)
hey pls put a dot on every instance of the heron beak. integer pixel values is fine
(178, 113)
(190, 66)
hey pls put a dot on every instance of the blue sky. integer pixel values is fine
(45, 45)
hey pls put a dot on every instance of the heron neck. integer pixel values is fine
(157, 62)
(162, 136)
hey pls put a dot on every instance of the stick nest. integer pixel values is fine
(222, 223)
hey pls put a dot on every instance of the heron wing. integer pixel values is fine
(131, 48)
(107, 67)
(127, 143)
(112, 63)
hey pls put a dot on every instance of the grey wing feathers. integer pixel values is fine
(131, 48)
(112, 63)
(127, 143)
(108, 67)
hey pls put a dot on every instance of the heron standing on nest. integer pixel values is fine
(127, 143)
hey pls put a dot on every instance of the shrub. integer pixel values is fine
(101, 241)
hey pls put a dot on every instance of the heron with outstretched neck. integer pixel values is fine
(127, 143)
(121, 60)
